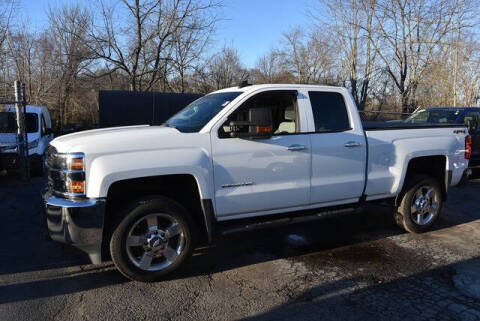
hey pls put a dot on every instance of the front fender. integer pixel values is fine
(104, 170)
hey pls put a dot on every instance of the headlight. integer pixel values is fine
(75, 174)
(75, 163)
(66, 173)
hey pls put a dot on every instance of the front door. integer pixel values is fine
(254, 175)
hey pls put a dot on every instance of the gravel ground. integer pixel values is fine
(358, 266)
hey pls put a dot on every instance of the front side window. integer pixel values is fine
(195, 116)
(8, 122)
(329, 111)
(284, 112)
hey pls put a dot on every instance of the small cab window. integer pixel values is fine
(284, 112)
(44, 126)
(329, 111)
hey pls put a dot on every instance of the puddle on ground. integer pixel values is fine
(381, 260)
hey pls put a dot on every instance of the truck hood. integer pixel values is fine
(119, 139)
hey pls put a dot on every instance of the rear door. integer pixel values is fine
(338, 149)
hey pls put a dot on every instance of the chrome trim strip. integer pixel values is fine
(72, 155)
(237, 184)
(62, 202)
(65, 171)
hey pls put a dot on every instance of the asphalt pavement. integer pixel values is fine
(358, 266)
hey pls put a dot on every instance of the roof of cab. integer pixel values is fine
(30, 109)
(266, 86)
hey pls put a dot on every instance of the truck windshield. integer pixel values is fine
(196, 115)
(434, 116)
(8, 123)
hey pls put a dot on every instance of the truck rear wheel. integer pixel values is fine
(153, 239)
(421, 204)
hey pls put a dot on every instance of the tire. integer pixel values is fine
(160, 237)
(421, 204)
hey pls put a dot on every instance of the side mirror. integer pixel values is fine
(259, 124)
(472, 126)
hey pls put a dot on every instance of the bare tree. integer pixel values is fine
(143, 45)
(351, 23)
(407, 34)
(308, 57)
(225, 69)
(269, 67)
(68, 26)
(7, 8)
(188, 46)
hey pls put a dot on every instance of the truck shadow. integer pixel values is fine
(29, 290)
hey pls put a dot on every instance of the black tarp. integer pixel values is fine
(125, 108)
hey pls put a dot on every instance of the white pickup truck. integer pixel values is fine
(241, 158)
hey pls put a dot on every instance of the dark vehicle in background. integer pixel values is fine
(130, 108)
(470, 116)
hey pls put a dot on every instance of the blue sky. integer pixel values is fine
(251, 26)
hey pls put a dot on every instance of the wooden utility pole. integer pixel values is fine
(22, 141)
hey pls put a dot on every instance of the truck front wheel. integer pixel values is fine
(421, 204)
(152, 240)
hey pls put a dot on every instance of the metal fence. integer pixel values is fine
(13, 133)
(378, 115)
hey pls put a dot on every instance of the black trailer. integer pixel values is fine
(126, 108)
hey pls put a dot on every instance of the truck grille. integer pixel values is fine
(56, 183)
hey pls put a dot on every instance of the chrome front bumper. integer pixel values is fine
(79, 223)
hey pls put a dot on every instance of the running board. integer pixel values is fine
(244, 225)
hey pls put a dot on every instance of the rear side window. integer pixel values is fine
(472, 115)
(329, 111)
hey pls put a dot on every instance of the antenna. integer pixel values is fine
(244, 83)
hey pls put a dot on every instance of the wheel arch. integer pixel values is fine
(182, 188)
(434, 166)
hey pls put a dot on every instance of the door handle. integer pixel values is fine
(352, 144)
(296, 147)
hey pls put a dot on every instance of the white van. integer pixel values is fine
(39, 132)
